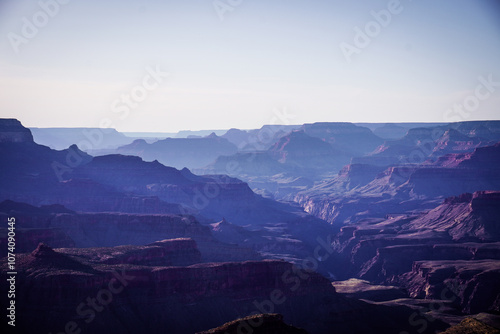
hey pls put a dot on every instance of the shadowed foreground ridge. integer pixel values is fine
(264, 324)
(137, 288)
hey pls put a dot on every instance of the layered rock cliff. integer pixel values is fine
(472, 285)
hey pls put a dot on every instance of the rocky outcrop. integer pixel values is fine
(264, 324)
(471, 326)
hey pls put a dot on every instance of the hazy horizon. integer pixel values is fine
(243, 64)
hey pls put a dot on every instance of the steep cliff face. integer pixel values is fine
(392, 261)
(473, 285)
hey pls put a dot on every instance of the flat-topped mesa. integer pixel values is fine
(347, 137)
(240, 280)
(168, 252)
(12, 131)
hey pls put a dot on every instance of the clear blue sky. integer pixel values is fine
(263, 56)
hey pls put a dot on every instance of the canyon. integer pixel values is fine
(312, 226)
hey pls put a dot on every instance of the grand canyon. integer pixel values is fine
(328, 227)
